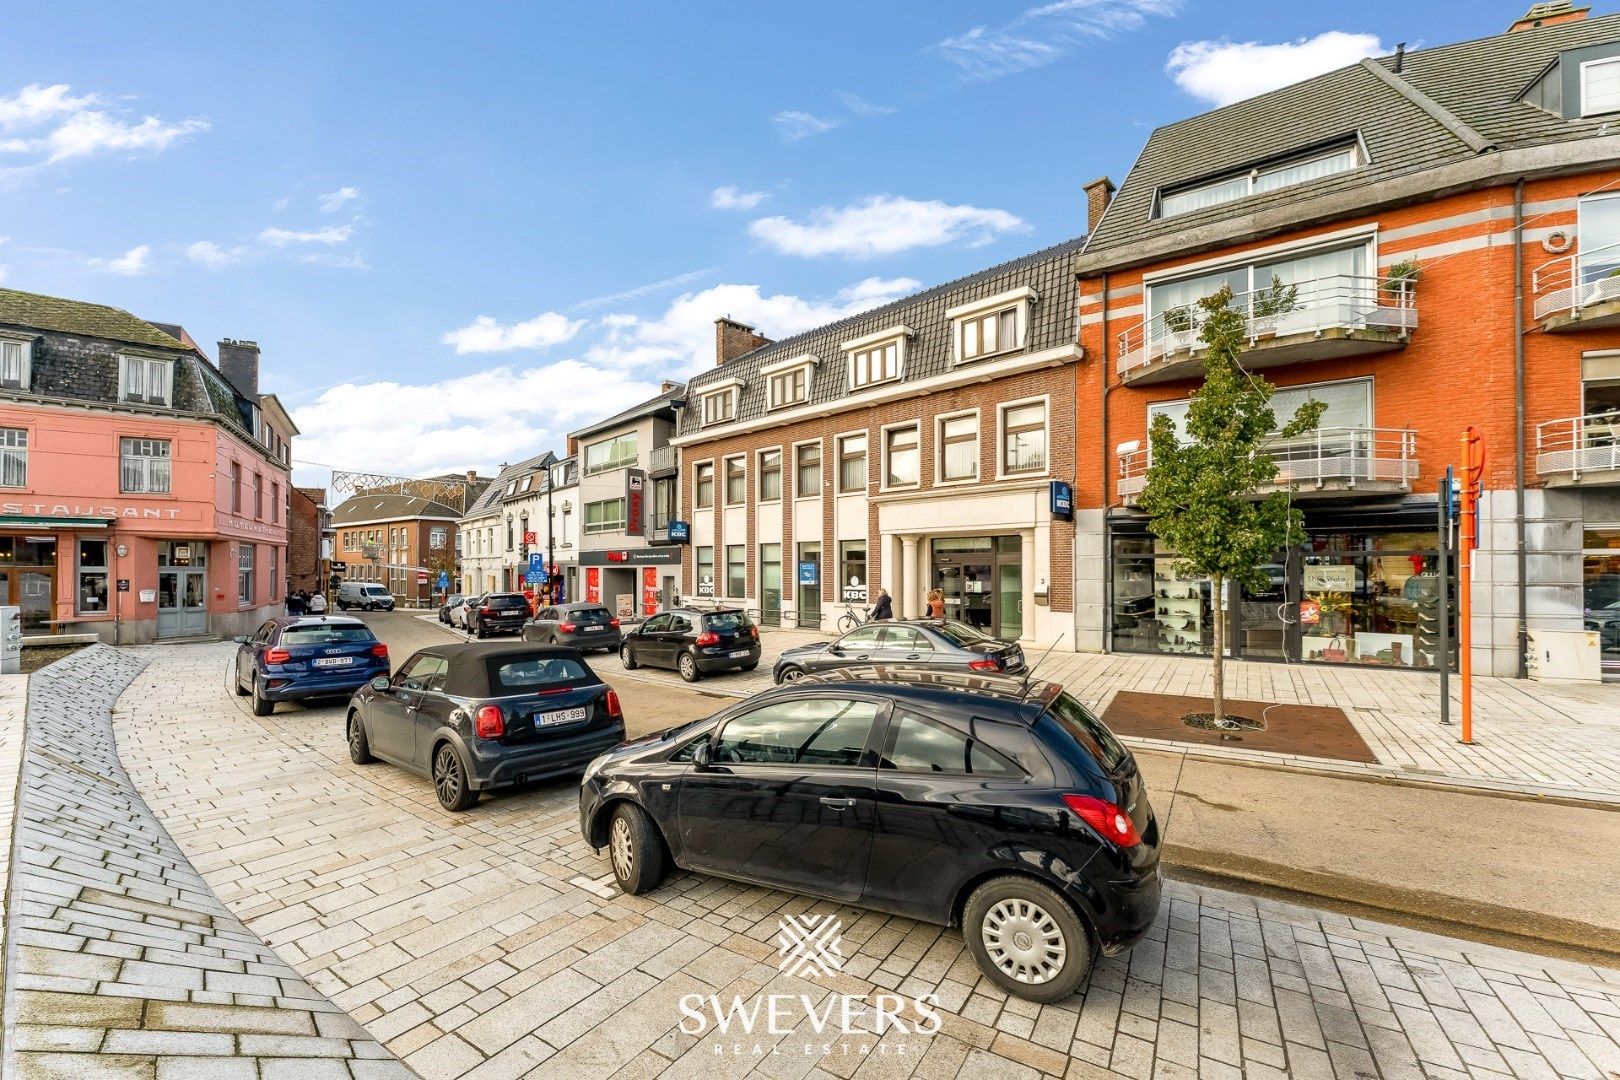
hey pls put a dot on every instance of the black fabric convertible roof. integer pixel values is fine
(473, 664)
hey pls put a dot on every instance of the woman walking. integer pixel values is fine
(936, 604)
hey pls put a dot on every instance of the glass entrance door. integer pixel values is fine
(982, 579)
(1600, 566)
(809, 595)
(182, 603)
(770, 584)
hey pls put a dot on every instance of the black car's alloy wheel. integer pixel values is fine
(1026, 939)
(262, 706)
(627, 657)
(450, 780)
(359, 745)
(790, 674)
(687, 665)
(635, 849)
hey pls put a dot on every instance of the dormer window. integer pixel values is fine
(16, 358)
(877, 358)
(1600, 86)
(720, 402)
(991, 326)
(145, 381)
(1261, 178)
(787, 382)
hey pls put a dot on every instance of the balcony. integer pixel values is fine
(1579, 291)
(662, 462)
(1329, 461)
(1320, 319)
(1579, 450)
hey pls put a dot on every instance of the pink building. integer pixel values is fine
(143, 490)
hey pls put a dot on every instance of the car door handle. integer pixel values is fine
(837, 804)
(915, 656)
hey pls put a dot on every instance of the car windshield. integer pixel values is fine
(726, 622)
(1089, 732)
(528, 674)
(375, 590)
(960, 633)
(325, 635)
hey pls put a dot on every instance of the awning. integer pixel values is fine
(24, 521)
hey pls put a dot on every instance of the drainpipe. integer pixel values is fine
(1518, 420)
(1108, 547)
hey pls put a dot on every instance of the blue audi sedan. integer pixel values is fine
(307, 656)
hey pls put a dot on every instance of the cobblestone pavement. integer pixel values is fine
(124, 964)
(492, 944)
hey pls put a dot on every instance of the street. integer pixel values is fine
(493, 943)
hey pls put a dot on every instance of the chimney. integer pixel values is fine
(732, 339)
(1550, 13)
(1098, 192)
(239, 363)
(472, 476)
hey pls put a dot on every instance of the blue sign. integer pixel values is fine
(444, 581)
(809, 573)
(1062, 500)
(680, 532)
(537, 561)
(535, 577)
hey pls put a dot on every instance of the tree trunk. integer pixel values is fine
(1219, 651)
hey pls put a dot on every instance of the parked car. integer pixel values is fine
(306, 656)
(458, 613)
(694, 642)
(955, 799)
(584, 626)
(478, 717)
(934, 644)
(365, 595)
(450, 602)
(497, 613)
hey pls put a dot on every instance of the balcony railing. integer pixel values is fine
(1568, 289)
(627, 462)
(1580, 447)
(662, 459)
(1340, 304)
(1336, 458)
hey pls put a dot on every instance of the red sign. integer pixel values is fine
(528, 537)
(593, 585)
(635, 481)
(421, 578)
(649, 590)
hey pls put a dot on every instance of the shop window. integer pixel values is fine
(13, 457)
(736, 570)
(703, 581)
(703, 485)
(852, 571)
(959, 448)
(92, 585)
(852, 464)
(1600, 566)
(808, 483)
(1023, 429)
(144, 466)
(244, 574)
(145, 381)
(736, 481)
(770, 475)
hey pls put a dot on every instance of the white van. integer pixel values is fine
(365, 595)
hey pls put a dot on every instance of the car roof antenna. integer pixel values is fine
(1024, 693)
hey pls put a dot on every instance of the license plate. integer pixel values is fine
(1014, 664)
(333, 661)
(561, 716)
(737, 654)
(592, 629)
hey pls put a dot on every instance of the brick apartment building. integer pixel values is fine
(403, 541)
(1424, 241)
(913, 446)
(309, 549)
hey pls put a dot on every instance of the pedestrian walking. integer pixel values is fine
(936, 604)
(295, 603)
(317, 604)
(884, 608)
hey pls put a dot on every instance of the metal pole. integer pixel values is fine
(551, 540)
(1443, 653)
(1465, 577)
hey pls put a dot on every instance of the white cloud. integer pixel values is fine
(859, 106)
(49, 124)
(213, 256)
(731, 198)
(485, 335)
(884, 225)
(333, 201)
(1221, 72)
(91, 132)
(34, 104)
(1043, 34)
(331, 235)
(795, 124)
(418, 429)
(132, 263)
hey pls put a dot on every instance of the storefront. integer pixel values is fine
(1600, 578)
(1363, 589)
(631, 583)
(982, 579)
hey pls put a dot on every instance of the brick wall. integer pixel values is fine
(304, 542)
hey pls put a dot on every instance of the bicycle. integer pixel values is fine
(849, 620)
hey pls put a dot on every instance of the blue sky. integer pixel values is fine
(456, 236)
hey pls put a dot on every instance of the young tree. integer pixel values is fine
(1202, 494)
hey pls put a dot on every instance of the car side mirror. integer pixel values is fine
(836, 650)
(381, 682)
(241, 639)
(703, 755)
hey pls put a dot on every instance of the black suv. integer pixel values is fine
(694, 642)
(501, 612)
(964, 800)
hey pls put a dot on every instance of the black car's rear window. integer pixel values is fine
(958, 633)
(507, 600)
(530, 674)
(325, 635)
(726, 622)
(1089, 732)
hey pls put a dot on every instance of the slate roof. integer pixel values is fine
(650, 407)
(490, 498)
(363, 508)
(1447, 104)
(928, 353)
(36, 312)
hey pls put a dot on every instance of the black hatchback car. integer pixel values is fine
(476, 717)
(932, 644)
(694, 641)
(498, 613)
(583, 626)
(960, 800)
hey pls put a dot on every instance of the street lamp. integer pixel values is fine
(551, 540)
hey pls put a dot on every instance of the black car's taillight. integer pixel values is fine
(1109, 821)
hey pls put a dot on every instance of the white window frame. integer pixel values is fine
(15, 446)
(1318, 245)
(838, 462)
(596, 529)
(714, 491)
(759, 472)
(126, 460)
(245, 557)
(940, 479)
(1356, 148)
(1044, 400)
(612, 464)
(723, 476)
(775, 372)
(1600, 62)
(883, 437)
(149, 365)
(821, 469)
(22, 349)
(899, 336)
(1016, 300)
(725, 396)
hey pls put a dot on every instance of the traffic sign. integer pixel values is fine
(535, 577)
(537, 561)
(444, 581)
